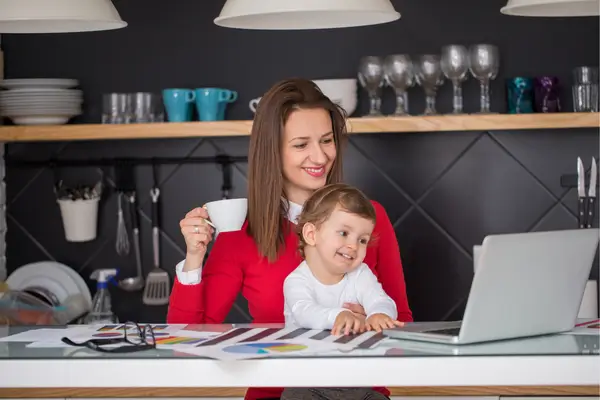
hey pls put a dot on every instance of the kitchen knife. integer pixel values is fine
(581, 211)
(591, 200)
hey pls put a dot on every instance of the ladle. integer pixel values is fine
(137, 282)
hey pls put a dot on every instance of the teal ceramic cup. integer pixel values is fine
(212, 102)
(178, 104)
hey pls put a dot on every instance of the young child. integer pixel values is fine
(334, 229)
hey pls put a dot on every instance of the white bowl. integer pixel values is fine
(41, 119)
(38, 83)
(40, 102)
(340, 91)
(22, 111)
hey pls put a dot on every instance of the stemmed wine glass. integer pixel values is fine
(484, 66)
(370, 76)
(455, 65)
(428, 74)
(399, 74)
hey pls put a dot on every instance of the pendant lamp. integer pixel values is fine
(552, 8)
(55, 16)
(304, 14)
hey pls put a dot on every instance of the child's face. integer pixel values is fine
(341, 241)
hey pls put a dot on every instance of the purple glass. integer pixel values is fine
(546, 91)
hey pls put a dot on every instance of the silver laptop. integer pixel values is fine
(562, 344)
(526, 284)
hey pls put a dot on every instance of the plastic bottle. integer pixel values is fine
(101, 311)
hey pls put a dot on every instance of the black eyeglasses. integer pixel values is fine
(135, 337)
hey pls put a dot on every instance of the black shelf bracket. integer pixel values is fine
(225, 162)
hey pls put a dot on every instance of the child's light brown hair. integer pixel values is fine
(319, 207)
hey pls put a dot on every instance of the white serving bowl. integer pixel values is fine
(340, 91)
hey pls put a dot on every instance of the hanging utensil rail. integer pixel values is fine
(224, 160)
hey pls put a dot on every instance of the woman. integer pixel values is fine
(295, 148)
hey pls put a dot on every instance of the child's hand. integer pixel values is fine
(347, 322)
(378, 322)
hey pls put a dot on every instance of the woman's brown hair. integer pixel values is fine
(266, 210)
(319, 207)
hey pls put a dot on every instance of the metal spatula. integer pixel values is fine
(158, 283)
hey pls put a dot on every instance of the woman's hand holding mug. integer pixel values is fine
(197, 234)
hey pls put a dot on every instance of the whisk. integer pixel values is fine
(122, 243)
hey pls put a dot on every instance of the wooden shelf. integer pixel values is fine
(201, 392)
(438, 123)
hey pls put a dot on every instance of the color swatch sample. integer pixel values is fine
(239, 336)
(234, 333)
(109, 328)
(107, 334)
(172, 340)
(158, 327)
(156, 334)
(242, 350)
(264, 348)
(120, 327)
(590, 327)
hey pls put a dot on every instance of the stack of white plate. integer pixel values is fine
(40, 101)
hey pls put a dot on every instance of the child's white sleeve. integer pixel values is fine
(301, 302)
(371, 295)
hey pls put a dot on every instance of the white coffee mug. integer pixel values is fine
(253, 104)
(228, 215)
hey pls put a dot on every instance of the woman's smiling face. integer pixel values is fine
(308, 152)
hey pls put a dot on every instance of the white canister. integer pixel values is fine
(80, 219)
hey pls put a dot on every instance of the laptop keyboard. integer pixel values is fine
(447, 331)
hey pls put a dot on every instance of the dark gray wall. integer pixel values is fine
(443, 191)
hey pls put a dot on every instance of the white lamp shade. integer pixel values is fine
(54, 16)
(552, 8)
(304, 14)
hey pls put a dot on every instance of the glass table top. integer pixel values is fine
(549, 345)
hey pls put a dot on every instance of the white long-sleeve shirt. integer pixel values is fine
(313, 305)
